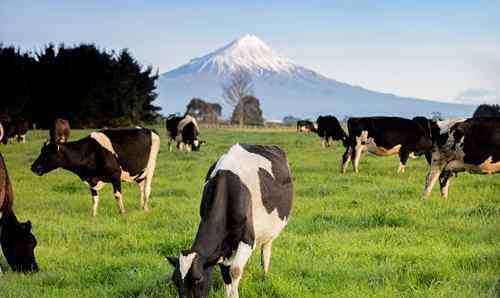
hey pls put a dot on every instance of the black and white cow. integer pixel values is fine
(328, 127)
(305, 125)
(385, 136)
(246, 203)
(17, 242)
(106, 156)
(17, 129)
(184, 131)
(471, 145)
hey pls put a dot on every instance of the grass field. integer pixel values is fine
(365, 235)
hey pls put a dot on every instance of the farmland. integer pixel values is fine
(364, 235)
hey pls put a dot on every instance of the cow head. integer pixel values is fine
(18, 244)
(50, 158)
(197, 144)
(192, 275)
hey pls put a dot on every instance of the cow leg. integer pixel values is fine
(180, 145)
(266, 255)
(444, 183)
(117, 189)
(432, 178)
(403, 158)
(142, 188)
(358, 150)
(226, 277)
(23, 139)
(243, 253)
(95, 201)
(323, 143)
(345, 159)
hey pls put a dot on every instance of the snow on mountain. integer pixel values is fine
(284, 87)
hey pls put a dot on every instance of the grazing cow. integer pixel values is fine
(305, 125)
(17, 129)
(246, 203)
(59, 131)
(471, 145)
(184, 131)
(385, 136)
(106, 156)
(329, 127)
(17, 241)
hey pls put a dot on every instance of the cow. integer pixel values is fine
(305, 125)
(17, 129)
(183, 130)
(329, 127)
(106, 156)
(385, 136)
(59, 131)
(246, 203)
(463, 145)
(17, 242)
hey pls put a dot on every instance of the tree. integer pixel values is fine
(487, 110)
(89, 86)
(239, 85)
(204, 111)
(249, 106)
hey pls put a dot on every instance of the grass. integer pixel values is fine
(365, 235)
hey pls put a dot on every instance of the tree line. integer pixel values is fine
(89, 86)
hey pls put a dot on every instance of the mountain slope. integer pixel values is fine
(283, 87)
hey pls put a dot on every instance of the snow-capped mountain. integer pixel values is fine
(283, 87)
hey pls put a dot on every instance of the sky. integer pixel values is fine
(441, 50)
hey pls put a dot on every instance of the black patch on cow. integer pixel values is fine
(481, 139)
(277, 192)
(329, 127)
(132, 147)
(226, 216)
(388, 132)
(171, 125)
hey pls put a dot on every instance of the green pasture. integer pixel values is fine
(364, 235)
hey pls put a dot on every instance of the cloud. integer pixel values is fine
(478, 96)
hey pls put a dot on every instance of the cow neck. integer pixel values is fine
(74, 157)
(213, 232)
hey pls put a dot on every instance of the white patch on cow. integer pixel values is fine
(196, 143)
(445, 125)
(99, 185)
(104, 141)
(373, 148)
(246, 165)
(1, 132)
(315, 126)
(185, 263)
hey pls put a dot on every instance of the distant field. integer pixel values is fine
(366, 235)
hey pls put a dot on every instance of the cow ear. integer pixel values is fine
(174, 261)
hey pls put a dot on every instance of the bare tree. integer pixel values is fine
(239, 85)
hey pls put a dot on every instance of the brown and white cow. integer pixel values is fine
(106, 156)
(246, 203)
(385, 136)
(59, 131)
(17, 242)
(471, 145)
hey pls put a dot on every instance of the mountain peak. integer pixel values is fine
(248, 53)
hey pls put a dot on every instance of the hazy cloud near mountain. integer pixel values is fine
(479, 96)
